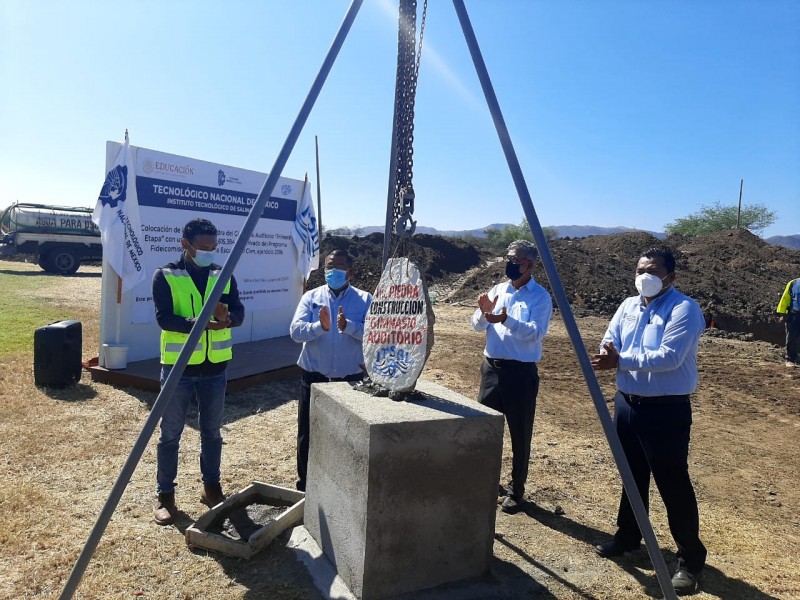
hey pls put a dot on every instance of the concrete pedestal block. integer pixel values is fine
(401, 496)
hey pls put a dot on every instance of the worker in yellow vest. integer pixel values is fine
(180, 290)
(789, 314)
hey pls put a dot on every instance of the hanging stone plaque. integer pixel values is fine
(398, 331)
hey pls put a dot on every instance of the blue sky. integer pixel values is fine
(622, 113)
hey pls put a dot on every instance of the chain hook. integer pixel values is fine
(402, 228)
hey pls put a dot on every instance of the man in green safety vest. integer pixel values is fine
(789, 311)
(180, 290)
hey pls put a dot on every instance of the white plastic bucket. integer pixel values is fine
(115, 356)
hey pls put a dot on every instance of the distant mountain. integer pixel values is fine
(572, 231)
(365, 231)
(788, 241)
(582, 231)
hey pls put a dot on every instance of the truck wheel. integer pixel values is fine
(62, 260)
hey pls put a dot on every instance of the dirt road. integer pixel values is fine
(61, 451)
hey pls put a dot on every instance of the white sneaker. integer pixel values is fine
(791, 364)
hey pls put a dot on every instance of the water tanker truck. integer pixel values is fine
(56, 237)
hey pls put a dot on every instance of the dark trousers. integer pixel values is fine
(655, 438)
(792, 335)
(510, 387)
(304, 422)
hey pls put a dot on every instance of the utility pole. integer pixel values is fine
(319, 193)
(739, 210)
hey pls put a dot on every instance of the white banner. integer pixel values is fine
(172, 190)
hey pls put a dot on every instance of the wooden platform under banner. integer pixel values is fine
(253, 363)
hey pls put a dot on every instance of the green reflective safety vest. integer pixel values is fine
(187, 302)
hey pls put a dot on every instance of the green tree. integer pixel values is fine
(503, 237)
(716, 217)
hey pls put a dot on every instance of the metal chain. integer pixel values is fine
(408, 63)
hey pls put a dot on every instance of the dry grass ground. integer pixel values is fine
(61, 451)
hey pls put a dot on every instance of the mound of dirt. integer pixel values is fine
(735, 276)
(438, 258)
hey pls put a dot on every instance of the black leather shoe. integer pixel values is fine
(502, 492)
(512, 505)
(614, 548)
(685, 582)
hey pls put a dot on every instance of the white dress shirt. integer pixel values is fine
(528, 311)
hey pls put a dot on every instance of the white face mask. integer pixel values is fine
(649, 285)
(204, 258)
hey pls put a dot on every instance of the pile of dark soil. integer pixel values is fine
(735, 276)
(437, 257)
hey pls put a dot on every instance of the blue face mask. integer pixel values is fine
(204, 258)
(335, 278)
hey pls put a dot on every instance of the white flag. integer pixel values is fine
(306, 235)
(117, 216)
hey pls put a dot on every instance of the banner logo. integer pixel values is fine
(113, 190)
(220, 178)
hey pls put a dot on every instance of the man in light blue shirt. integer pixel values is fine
(329, 321)
(652, 343)
(515, 316)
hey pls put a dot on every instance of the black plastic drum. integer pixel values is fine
(57, 354)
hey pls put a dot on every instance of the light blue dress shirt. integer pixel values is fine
(657, 344)
(520, 337)
(333, 353)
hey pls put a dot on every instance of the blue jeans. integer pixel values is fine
(211, 402)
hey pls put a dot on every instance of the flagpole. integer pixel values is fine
(118, 324)
(319, 193)
(167, 390)
(305, 185)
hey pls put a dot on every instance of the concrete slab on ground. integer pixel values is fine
(506, 581)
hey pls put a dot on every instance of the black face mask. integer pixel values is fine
(513, 271)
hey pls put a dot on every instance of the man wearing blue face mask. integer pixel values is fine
(180, 290)
(652, 343)
(515, 316)
(329, 322)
